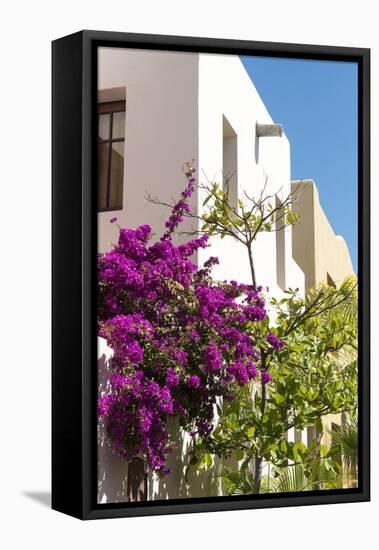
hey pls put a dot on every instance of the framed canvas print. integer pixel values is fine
(210, 274)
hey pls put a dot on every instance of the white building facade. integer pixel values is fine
(178, 107)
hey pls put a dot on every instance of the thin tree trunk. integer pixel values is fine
(252, 268)
(258, 460)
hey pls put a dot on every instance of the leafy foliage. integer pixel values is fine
(313, 370)
(318, 473)
(345, 444)
(314, 374)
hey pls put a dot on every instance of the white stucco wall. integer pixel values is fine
(175, 108)
(317, 249)
(111, 470)
(225, 90)
(161, 130)
(175, 104)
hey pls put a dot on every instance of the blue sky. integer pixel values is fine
(316, 101)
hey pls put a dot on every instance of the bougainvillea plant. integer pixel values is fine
(180, 340)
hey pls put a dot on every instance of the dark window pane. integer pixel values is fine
(104, 126)
(118, 129)
(102, 157)
(117, 175)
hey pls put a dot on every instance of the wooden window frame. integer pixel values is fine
(110, 107)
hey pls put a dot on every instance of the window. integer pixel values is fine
(111, 143)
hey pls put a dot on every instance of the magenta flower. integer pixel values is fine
(274, 341)
(193, 381)
(265, 376)
(173, 330)
(172, 379)
(213, 360)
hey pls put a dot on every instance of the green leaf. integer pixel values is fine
(250, 432)
(239, 454)
(278, 398)
(207, 199)
(323, 450)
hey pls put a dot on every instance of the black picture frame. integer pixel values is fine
(74, 89)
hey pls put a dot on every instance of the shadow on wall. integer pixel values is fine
(197, 483)
(112, 471)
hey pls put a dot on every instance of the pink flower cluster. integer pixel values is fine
(179, 338)
(274, 341)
